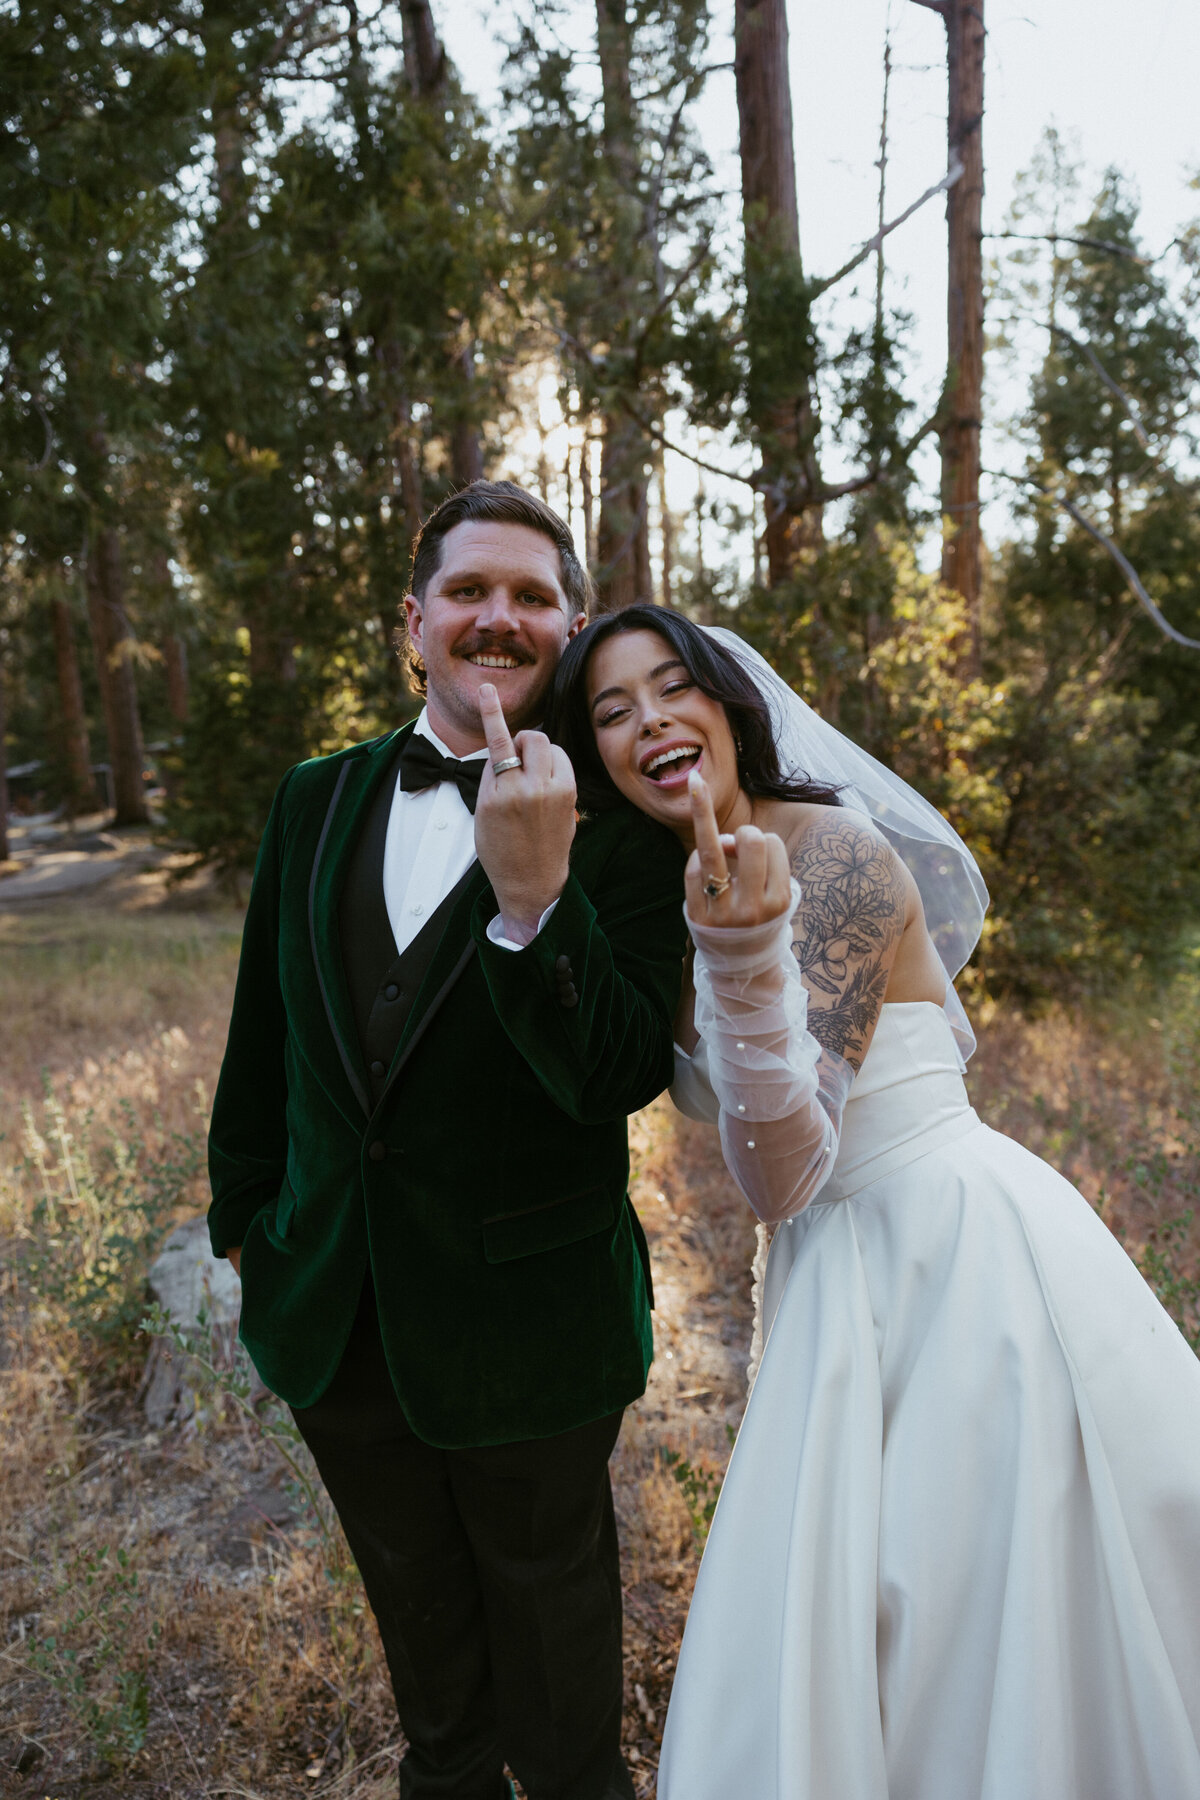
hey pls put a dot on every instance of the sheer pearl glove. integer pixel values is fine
(781, 1096)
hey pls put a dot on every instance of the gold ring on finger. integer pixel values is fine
(713, 887)
(506, 763)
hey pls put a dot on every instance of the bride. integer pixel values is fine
(957, 1551)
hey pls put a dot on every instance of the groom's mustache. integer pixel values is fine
(486, 646)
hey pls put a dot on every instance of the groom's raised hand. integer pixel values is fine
(524, 820)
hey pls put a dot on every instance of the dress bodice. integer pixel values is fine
(908, 1096)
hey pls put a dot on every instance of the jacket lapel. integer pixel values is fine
(357, 784)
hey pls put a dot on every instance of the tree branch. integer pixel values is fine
(932, 423)
(1063, 237)
(1106, 543)
(659, 436)
(1129, 404)
(48, 448)
(869, 248)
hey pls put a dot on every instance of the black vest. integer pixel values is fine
(383, 985)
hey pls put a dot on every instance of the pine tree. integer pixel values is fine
(99, 103)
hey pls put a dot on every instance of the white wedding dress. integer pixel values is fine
(957, 1551)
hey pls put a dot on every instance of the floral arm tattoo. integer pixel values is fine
(850, 920)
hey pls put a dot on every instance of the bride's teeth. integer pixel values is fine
(670, 756)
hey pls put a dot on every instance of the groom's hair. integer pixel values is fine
(713, 670)
(496, 503)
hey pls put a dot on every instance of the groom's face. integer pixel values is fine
(494, 610)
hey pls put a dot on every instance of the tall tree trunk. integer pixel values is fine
(614, 45)
(272, 646)
(424, 57)
(405, 464)
(962, 405)
(466, 446)
(623, 536)
(623, 533)
(666, 523)
(3, 771)
(428, 70)
(113, 642)
(786, 421)
(81, 790)
(588, 498)
(175, 661)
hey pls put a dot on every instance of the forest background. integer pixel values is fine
(273, 286)
(274, 283)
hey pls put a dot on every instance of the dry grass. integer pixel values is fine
(236, 1615)
(1111, 1098)
(118, 995)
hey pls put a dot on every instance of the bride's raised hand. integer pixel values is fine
(735, 880)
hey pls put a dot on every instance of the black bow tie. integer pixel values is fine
(422, 765)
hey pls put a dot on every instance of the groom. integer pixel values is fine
(450, 995)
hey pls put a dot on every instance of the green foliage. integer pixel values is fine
(700, 1486)
(93, 1215)
(701, 1489)
(1165, 1169)
(1119, 307)
(1083, 821)
(99, 1654)
(241, 736)
(781, 346)
(1161, 1262)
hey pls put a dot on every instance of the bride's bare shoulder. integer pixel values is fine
(829, 846)
(798, 821)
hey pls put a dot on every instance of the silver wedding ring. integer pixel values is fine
(506, 763)
(713, 887)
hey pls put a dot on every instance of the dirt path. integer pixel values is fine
(49, 858)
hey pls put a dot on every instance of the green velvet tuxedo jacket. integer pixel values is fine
(486, 1191)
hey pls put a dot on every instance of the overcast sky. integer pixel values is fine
(1119, 78)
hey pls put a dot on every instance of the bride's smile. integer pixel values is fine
(654, 726)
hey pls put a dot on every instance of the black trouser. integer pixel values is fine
(493, 1574)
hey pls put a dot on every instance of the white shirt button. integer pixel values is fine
(416, 911)
(439, 825)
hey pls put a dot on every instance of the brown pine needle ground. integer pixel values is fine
(175, 1618)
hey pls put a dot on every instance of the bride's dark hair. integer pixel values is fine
(715, 672)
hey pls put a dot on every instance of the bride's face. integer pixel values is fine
(653, 726)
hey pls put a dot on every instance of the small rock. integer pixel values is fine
(187, 1279)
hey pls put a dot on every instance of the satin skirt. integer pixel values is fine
(957, 1551)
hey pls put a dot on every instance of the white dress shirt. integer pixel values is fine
(430, 845)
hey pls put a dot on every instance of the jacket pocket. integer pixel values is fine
(550, 1227)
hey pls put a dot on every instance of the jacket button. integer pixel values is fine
(378, 1070)
(391, 991)
(378, 1151)
(564, 975)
